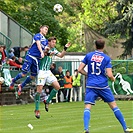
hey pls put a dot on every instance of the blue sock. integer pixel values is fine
(86, 118)
(27, 80)
(19, 76)
(120, 117)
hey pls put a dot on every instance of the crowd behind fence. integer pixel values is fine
(122, 88)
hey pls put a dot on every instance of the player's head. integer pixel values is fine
(99, 44)
(44, 29)
(52, 42)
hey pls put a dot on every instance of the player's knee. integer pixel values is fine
(39, 88)
(57, 87)
(112, 105)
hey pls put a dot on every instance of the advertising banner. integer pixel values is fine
(123, 84)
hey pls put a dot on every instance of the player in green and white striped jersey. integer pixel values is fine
(46, 76)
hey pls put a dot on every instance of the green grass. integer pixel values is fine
(63, 118)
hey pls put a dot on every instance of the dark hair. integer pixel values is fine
(54, 65)
(42, 26)
(26, 47)
(51, 38)
(67, 71)
(99, 44)
(76, 70)
(23, 48)
(13, 58)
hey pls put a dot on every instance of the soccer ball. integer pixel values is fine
(1, 80)
(58, 8)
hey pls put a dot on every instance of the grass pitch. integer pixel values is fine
(63, 118)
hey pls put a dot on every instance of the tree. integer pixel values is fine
(34, 13)
(122, 25)
(112, 18)
(66, 26)
(97, 13)
(71, 20)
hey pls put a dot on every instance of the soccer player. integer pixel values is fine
(32, 59)
(99, 68)
(46, 76)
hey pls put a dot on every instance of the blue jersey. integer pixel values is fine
(97, 63)
(34, 51)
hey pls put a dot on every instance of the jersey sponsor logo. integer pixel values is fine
(97, 58)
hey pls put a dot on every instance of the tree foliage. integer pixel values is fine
(34, 13)
(97, 13)
(122, 25)
(112, 18)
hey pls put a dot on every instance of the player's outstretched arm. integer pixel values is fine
(64, 50)
(81, 69)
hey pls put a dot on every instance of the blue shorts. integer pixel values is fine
(31, 65)
(92, 94)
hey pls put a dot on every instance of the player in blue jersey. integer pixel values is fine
(99, 70)
(32, 59)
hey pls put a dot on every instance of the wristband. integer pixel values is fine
(48, 54)
(65, 48)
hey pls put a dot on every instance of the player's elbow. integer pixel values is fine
(79, 70)
(60, 56)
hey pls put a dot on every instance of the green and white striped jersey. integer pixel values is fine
(47, 60)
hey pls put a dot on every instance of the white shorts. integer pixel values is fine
(45, 77)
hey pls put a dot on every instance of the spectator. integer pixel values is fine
(68, 85)
(13, 63)
(3, 54)
(54, 71)
(76, 85)
(19, 61)
(5, 51)
(18, 50)
(1, 82)
(6, 72)
(61, 83)
(1, 51)
(25, 51)
(11, 53)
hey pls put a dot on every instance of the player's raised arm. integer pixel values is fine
(64, 50)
